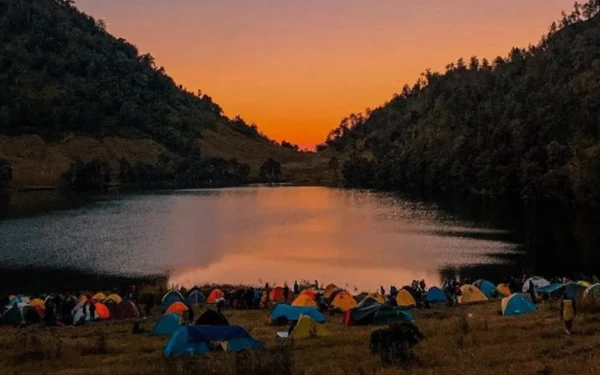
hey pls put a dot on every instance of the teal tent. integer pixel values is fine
(13, 316)
(369, 301)
(284, 312)
(170, 298)
(517, 304)
(179, 344)
(378, 315)
(167, 325)
(435, 294)
(192, 340)
(486, 287)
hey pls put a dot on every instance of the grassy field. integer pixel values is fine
(460, 340)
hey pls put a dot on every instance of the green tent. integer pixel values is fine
(380, 315)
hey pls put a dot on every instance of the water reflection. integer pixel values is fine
(244, 235)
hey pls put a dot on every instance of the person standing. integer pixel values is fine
(286, 292)
(296, 287)
(381, 290)
(567, 314)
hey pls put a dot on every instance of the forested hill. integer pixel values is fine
(526, 125)
(523, 130)
(71, 91)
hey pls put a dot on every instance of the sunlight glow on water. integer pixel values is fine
(246, 234)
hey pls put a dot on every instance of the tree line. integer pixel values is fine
(62, 74)
(523, 127)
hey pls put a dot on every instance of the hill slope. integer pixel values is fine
(72, 91)
(525, 127)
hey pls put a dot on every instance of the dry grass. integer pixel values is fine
(461, 340)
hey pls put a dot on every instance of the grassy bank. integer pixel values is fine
(461, 340)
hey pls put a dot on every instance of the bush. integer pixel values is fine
(394, 344)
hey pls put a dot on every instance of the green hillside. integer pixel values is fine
(72, 93)
(524, 128)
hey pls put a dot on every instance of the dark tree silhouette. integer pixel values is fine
(270, 171)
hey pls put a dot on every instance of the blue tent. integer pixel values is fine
(192, 340)
(573, 289)
(196, 297)
(435, 294)
(179, 344)
(171, 300)
(517, 304)
(550, 288)
(486, 287)
(167, 325)
(294, 312)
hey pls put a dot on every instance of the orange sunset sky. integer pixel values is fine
(297, 67)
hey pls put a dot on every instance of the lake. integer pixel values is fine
(252, 235)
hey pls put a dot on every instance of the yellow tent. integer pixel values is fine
(405, 299)
(471, 294)
(37, 303)
(377, 297)
(307, 327)
(114, 297)
(99, 296)
(504, 290)
(344, 301)
(584, 283)
(304, 300)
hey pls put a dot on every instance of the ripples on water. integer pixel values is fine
(244, 235)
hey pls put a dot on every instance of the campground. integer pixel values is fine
(464, 339)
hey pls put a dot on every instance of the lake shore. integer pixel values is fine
(465, 339)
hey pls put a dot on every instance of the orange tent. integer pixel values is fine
(308, 292)
(214, 295)
(102, 311)
(177, 308)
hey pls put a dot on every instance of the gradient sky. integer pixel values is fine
(297, 67)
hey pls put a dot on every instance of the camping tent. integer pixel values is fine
(378, 315)
(486, 287)
(307, 327)
(214, 296)
(114, 297)
(471, 294)
(377, 297)
(517, 304)
(310, 293)
(99, 296)
(166, 325)
(180, 344)
(284, 313)
(591, 297)
(191, 340)
(416, 295)
(504, 290)
(304, 300)
(212, 318)
(127, 310)
(13, 316)
(538, 282)
(551, 288)
(343, 301)
(196, 297)
(84, 312)
(172, 293)
(37, 303)
(102, 311)
(276, 295)
(435, 294)
(584, 283)
(177, 308)
(405, 299)
(368, 302)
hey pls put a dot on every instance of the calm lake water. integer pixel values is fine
(252, 235)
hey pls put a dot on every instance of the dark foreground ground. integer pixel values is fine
(471, 339)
